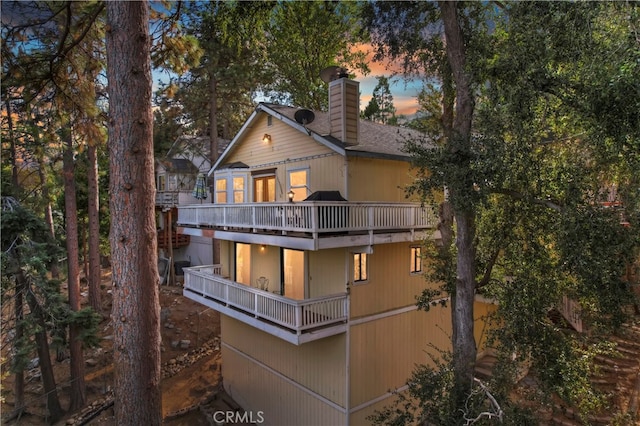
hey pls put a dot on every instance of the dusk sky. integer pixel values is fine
(404, 93)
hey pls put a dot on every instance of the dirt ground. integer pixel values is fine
(190, 367)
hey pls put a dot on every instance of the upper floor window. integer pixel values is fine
(360, 267)
(231, 186)
(238, 189)
(299, 183)
(221, 191)
(416, 260)
(161, 183)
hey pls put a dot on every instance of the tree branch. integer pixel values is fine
(519, 196)
(487, 272)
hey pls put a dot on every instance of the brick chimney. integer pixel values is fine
(344, 110)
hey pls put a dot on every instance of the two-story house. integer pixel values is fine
(321, 260)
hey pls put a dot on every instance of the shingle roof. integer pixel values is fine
(374, 139)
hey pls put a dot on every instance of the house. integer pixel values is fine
(320, 264)
(176, 176)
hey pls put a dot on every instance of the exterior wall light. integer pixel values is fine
(266, 138)
(291, 194)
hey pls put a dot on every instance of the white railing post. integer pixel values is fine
(255, 304)
(298, 322)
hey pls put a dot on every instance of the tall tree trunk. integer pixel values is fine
(78, 391)
(48, 212)
(93, 276)
(46, 369)
(213, 143)
(464, 345)
(12, 146)
(18, 384)
(136, 306)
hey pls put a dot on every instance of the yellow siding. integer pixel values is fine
(265, 394)
(384, 352)
(327, 272)
(390, 284)
(481, 327)
(225, 257)
(265, 263)
(290, 149)
(369, 180)
(318, 366)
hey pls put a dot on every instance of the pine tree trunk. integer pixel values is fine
(78, 391)
(18, 384)
(213, 140)
(464, 345)
(93, 277)
(136, 307)
(46, 369)
(48, 213)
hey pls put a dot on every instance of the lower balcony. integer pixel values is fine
(296, 321)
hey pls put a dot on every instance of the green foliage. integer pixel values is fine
(427, 400)
(28, 251)
(229, 72)
(303, 38)
(554, 136)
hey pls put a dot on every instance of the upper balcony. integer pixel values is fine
(314, 224)
(296, 321)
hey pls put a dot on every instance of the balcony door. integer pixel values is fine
(293, 273)
(264, 189)
(243, 263)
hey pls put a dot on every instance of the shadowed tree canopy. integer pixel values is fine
(551, 139)
(305, 37)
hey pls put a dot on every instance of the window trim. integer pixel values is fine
(304, 187)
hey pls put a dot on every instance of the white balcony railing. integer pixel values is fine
(296, 316)
(167, 198)
(310, 216)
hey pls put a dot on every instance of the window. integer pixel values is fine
(299, 183)
(416, 260)
(238, 189)
(230, 187)
(221, 191)
(173, 183)
(360, 267)
(161, 184)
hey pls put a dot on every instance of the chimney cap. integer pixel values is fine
(332, 73)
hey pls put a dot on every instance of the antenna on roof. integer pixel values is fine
(333, 73)
(304, 116)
